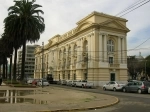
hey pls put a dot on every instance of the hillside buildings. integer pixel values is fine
(95, 50)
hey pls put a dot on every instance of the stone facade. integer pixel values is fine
(96, 50)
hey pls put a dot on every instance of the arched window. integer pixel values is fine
(110, 46)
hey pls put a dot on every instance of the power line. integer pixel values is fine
(131, 6)
(135, 8)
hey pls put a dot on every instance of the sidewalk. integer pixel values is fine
(56, 99)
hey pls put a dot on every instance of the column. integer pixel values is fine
(89, 50)
(78, 65)
(105, 48)
(123, 50)
(66, 63)
(100, 48)
(119, 50)
(72, 54)
(72, 60)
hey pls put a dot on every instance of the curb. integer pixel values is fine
(82, 109)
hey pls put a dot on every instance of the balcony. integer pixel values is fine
(113, 65)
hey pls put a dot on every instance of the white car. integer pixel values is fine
(113, 85)
(84, 84)
(45, 82)
(30, 80)
(149, 90)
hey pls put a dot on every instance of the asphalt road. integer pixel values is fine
(129, 102)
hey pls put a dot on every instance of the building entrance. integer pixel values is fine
(112, 76)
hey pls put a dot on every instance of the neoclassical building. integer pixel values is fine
(96, 50)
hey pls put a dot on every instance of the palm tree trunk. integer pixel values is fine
(3, 76)
(15, 61)
(10, 67)
(6, 62)
(23, 60)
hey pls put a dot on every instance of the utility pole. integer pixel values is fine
(145, 68)
(87, 66)
(42, 61)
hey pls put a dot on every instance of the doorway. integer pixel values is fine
(112, 76)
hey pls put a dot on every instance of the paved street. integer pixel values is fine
(132, 102)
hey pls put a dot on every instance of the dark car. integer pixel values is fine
(137, 86)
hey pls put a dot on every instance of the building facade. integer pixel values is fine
(29, 61)
(96, 50)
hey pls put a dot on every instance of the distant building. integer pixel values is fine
(29, 61)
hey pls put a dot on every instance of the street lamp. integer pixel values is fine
(145, 68)
(42, 61)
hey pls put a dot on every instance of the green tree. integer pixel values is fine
(11, 29)
(147, 65)
(135, 66)
(30, 23)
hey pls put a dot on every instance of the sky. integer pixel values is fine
(62, 15)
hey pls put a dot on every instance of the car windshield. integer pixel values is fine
(44, 80)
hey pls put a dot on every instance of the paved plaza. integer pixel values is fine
(52, 99)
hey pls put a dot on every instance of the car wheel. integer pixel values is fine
(124, 90)
(104, 88)
(139, 91)
(114, 89)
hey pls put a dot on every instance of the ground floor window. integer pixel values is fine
(59, 76)
(68, 76)
(63, 76)
(85, 76)
(74, 76)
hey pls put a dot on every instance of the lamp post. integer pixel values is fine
(42, 61)
(145, 68)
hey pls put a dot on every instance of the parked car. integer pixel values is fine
(63, 82)
(113, 85)
(30, 80)
(148, 89)
(43, 81)
(132, 80)
(69, 82)
(137, 86)
(35, 81)
(84, 84)
(74, 83)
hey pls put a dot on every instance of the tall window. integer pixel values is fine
(111, 60)
(75, 50)
(110, 46)
(69, 51)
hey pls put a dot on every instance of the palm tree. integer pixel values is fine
(30, 23)
(3, 53)
(8, 45)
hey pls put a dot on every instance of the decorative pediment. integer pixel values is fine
(50, 42)
(83, 26)
(114, 24)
